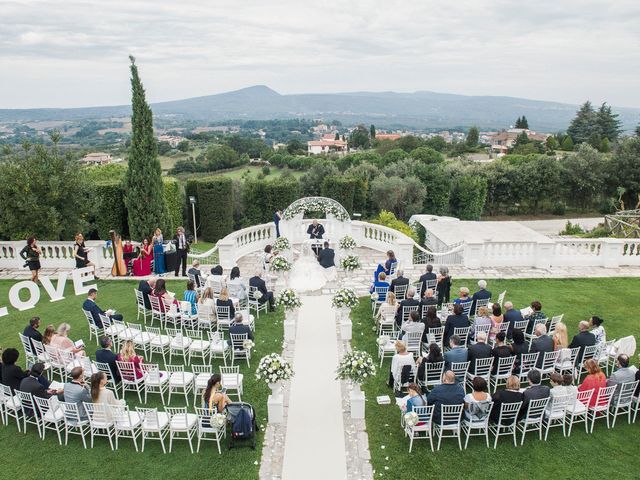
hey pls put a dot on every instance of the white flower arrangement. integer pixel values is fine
(218, 420)
(316, 204)
(280, 264)
(350, 263)
(345, 297)
(248, 344)
(289, 299)
(273, 368)
(281, 244)
(356, 366)
(347, 243)
(411, 419)
(383, 340)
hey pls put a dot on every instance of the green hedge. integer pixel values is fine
(215, 197)
(263, 197)
(174, 202)
(343, 190)
(108, 208)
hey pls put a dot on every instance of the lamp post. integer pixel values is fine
(192, 200)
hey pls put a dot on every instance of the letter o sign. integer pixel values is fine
(34, 295)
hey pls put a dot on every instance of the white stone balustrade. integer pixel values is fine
(55, 254)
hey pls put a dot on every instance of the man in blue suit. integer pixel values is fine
(456, 353)
(482, 294)
(90, 306)
(106, 355)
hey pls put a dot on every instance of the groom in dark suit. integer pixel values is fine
(326, 256)
(315, 232)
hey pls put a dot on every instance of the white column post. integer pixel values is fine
(473, 254)
(610, 252)
(544, 253)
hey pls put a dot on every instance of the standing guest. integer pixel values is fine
(12, 374)
(542, 343)
(482, 319)
(413, 324)
(477, 404)
(478, 350)
(62, 341)
(158, 252)
(236, 285)
(623, 374)
(106, 355)
(496, 320)
(190, 295)
(481, 294)
(399, 281)
(598, 330)
(457, 320)
(500, 350)
(388, 264)
(142, 264)
(259, 284)
(416, 398)
(444, 286)
(91, 306)
(31, 255)
(239, 328)
(536, 314)
(277, 216)
(401, 359)
(447, 393)
(560, 337)
(48, 334)
(197, 274)
(31, 330)
(428, 276)
(147, 287)
(213, 399)
(81, 254)
(76, 391)
(583, 340)
(315, 232)
(182, 249)
(408, 302)
(510, 394)
(381, 283)
(225, 301)
(455, 354)
(128, 354)
(595, 380)
(512, 316)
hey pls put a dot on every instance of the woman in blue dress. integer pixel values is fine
(158, 252)
(386, 268)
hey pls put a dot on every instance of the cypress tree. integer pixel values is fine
(518, 123)
(144, 197)
(524, 123)
(472, 137)
(584, 124)
(372, 131)
(608, 123)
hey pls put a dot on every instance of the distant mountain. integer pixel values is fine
(419, 109)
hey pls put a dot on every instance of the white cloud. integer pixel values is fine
(75, 53)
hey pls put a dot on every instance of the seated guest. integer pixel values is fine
(31, 330)
(561, 385)
(457, 320)
(535, 391)
(267, 257)
(478, 351)
(166, 298)
(416, 398)
(76, 391)
(518, 347)
(512, 316)
(91, 306)
(496, 320)
(399, 281)
(225, 301)
(595, 380)
(382, 285)
(208, 297)
(62, 341)
(326, 256)
(128, 354)
(100, 394)
(500, 350)
(388, 265)
(401, 359)
(428, 299)
(261, 286)
(146, 287)
(430, 320)
(213, 398)
(477, 404)
(407, 302)
(481, 294)
(560, 337)
(413, 324)
(447, 393)
(142, 264)
(12, 374)
(239, 328)
(389, 308)
(190, 295)
(428, 276)
(216, 278)
(510, 394)
(36, 384)
(106, 355)
(598, 330)
(455, 354)
(536, 314)
(464, 297)
(48, 334)
(583, 339)
(444, 286)
(198, 276)
(542, 343)
(236, 286)
(433, 356)
(623, 374)
(481, 319)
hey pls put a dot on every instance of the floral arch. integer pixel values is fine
(317, 204)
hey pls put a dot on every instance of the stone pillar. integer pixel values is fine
(473, 254)
(545, 253)
(275, 408)
(611, 252)
(227, 253)
(356, 399)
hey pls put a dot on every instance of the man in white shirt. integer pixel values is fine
(182, 248)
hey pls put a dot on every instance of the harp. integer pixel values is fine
(119, 268)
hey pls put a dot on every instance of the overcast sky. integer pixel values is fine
(74, 53)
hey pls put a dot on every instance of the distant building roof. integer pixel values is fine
(388, 136)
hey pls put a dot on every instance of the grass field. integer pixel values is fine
(605, 454)
(26, 456)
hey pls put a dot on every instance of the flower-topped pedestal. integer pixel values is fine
(282, 245)
(343, 301)
(281, 267)
(356, 367)
(290, 300)
(274, 369)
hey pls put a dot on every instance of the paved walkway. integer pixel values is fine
(315, 447)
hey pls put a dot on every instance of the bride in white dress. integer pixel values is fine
(307, 274)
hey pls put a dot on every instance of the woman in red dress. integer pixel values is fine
(595, 380)
(142, 264)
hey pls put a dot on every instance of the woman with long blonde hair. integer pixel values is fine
(128, 354)
(225, 301)
(560, 337)
(389, 308)
(48, 334)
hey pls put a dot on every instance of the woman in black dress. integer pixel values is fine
(81, 253)
(31, 255)
(444, 286)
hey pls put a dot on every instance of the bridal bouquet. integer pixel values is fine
(248, 344)
(350, 263)
(273, 368)
(356, 366)
(411, 419)
(345, 298)
(280, 264)
(289, 299)
(218, 420)
(281, 244)
(347, 243)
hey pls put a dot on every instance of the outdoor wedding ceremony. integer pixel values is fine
(292, 242)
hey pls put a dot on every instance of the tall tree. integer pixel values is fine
(359, 138)
(522, 123)
(637, 131)
(584, 124)
(472, 137)
(144, 197)
(372, 131)
(518, 123)
(608, 123)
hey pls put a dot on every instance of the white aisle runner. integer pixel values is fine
(314, 445)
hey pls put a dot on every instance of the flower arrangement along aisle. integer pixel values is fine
(350, 263)
(356, 366)
(280, 264)
(289, 299)
(345, 298)
(273, 369)
(281, 244)
(347, 243)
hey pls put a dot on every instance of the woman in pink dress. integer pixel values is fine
(142, 264)
(128, 354)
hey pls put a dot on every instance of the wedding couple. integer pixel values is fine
(316, 266)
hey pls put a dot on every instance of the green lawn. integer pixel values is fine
(615, 455)
(72, 460)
